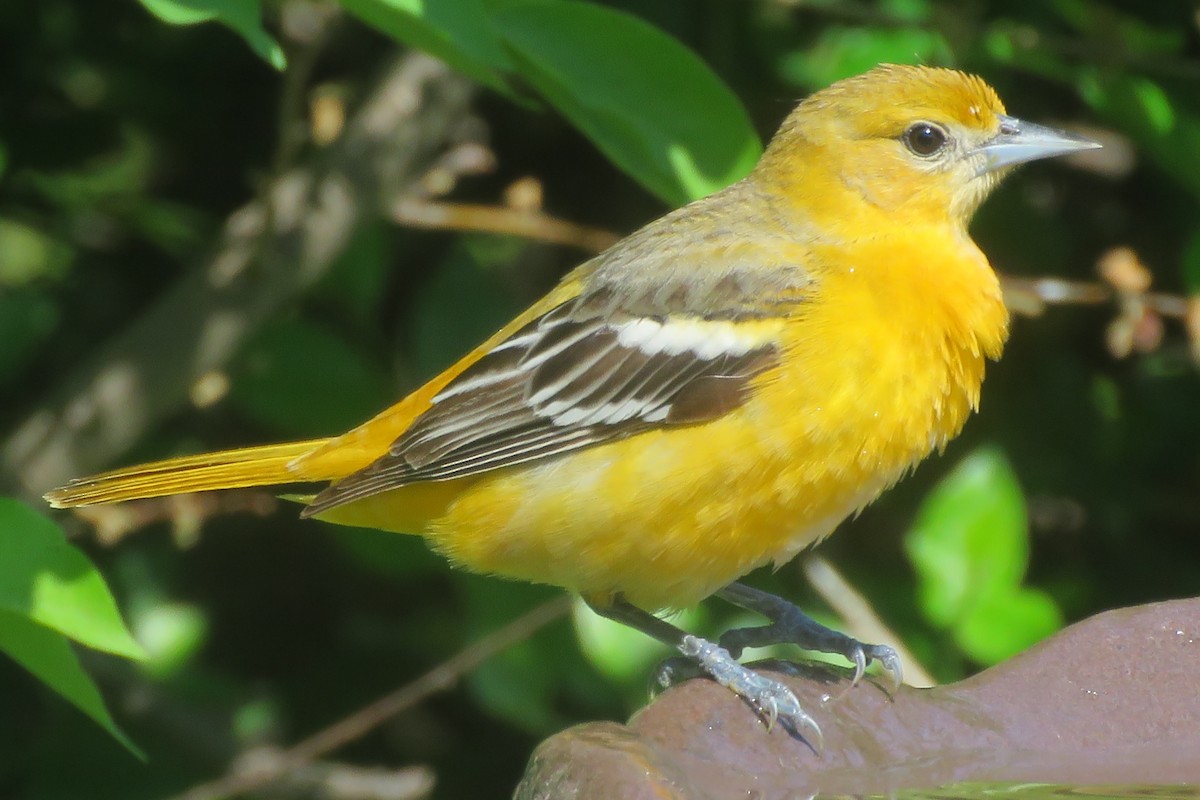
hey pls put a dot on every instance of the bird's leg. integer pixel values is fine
(790, 625)
(770, 698)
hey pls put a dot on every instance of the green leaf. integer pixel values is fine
(46, 580)
(303, 380)
(459, 32)
(970, 547)
(650, 104)
(970, 538)
(49, 657)
(242, 16)
(49, 591)
(1005, 623)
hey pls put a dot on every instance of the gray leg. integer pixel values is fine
(770, 698)
(790, 625)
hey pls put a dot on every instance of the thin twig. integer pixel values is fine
(366, 719)
(1030, 296)
(501, 219)
(324, 780)
(1125, 283)
(185, 513)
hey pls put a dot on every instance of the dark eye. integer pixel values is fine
(925, 138)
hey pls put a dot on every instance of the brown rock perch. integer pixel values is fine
(1112, 699)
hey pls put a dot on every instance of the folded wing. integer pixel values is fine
(584, 373)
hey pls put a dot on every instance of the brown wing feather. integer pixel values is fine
(568, 380)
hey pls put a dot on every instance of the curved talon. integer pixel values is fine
(797, 721)
(860, 659)
(889, 659)
(772, 715)
(863, 654)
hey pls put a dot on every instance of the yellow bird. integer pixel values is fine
(715, 392)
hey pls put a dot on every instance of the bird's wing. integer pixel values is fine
(622, 357)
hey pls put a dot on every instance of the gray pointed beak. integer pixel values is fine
(1019, 141)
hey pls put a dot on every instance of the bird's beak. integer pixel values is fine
(1019, 141)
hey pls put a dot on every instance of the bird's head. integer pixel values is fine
(920, 143)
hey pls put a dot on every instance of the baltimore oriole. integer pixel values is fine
(715, 392)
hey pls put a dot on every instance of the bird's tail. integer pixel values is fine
(228, 469)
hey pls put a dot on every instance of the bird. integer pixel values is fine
(713, 393)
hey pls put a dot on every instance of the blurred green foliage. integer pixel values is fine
(969, 546)
(242, 16)
(125, 145)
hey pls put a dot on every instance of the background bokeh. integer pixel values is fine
(136, 140)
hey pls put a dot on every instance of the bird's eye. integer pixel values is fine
(924, 138)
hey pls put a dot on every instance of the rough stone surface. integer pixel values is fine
(1112, 699)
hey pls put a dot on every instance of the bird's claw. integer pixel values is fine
(863, 654)
(772, 700)
(859, 657)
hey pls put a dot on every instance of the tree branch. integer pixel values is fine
(264, 771)
(271, 251)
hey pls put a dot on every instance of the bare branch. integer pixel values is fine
(271, 251)
(1139, 323)
(366, 719)
(858, 615)
(534, 225)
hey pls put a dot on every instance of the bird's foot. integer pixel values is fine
(772, 699)
(790, 625)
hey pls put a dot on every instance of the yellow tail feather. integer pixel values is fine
(229, 469)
